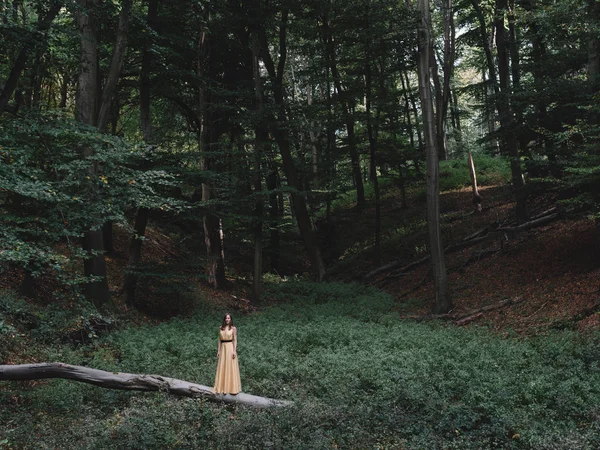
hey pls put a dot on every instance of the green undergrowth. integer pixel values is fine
(490, 170)
(359, 378)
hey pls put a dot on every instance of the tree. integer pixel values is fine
(142, 213)
(88, 104)
(443, 301)
(43, 24)
(279, 131)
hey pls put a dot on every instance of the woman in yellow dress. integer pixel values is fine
(227, 380)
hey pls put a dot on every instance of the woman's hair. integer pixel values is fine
(231, 325)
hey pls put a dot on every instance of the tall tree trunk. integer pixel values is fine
(281, 134)
(85, 111)
(416, 116)
(491, 87)
(260, 138)
(538, 55)
(448, 67)
(506, 114)
(35, 83)
(594, 47)
(215, 264)
(443, 301)
(17, 69)
(409, 126)
(114, 72)
(142, 214)
(275, 214)
(373, 174)
(442, 97)
(348, 113)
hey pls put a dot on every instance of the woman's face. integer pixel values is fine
(227, 319)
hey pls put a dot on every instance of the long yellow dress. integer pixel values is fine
(227, 379)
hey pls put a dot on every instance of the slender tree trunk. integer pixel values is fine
(85, 111)
(314, 142)
(142, 214)
(259, 141)
(491, 87)
(506, 114)
(443, 301)
(373, 174)
(13, 78)
(36, 80)
(411, 134)
(538, 55)
(275, 214)
(120, 49)
(347, 113)
(442, 98)
(448, 68)
(415, 111)
(593, 68)
(282, 137)
(215, 264)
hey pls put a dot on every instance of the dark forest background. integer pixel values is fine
(359, 169)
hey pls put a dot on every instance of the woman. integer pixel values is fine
(227, 380)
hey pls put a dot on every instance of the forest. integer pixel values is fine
(397, 202)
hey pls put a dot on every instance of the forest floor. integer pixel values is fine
(551, 273)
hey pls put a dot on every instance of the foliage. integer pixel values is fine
(454, 174)
(359, 378)
(48, 197)
(71, 321)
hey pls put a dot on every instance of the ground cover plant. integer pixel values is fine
(358, 375)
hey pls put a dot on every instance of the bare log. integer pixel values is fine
(129, 381)
(450, 249)
(473, 239)
(531, 224)
(468, 316)
(475, 314)
(466, 320)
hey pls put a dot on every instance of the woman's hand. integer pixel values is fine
(218, 353)
(233, 356)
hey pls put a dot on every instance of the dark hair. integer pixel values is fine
(231, 325)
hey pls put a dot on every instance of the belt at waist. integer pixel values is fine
(230, 340)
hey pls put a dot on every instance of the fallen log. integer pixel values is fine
(477, 313)
(474, 239)
(468, 316)
(129, 381)
(531, 224)
(467, 320)
(450, 249)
